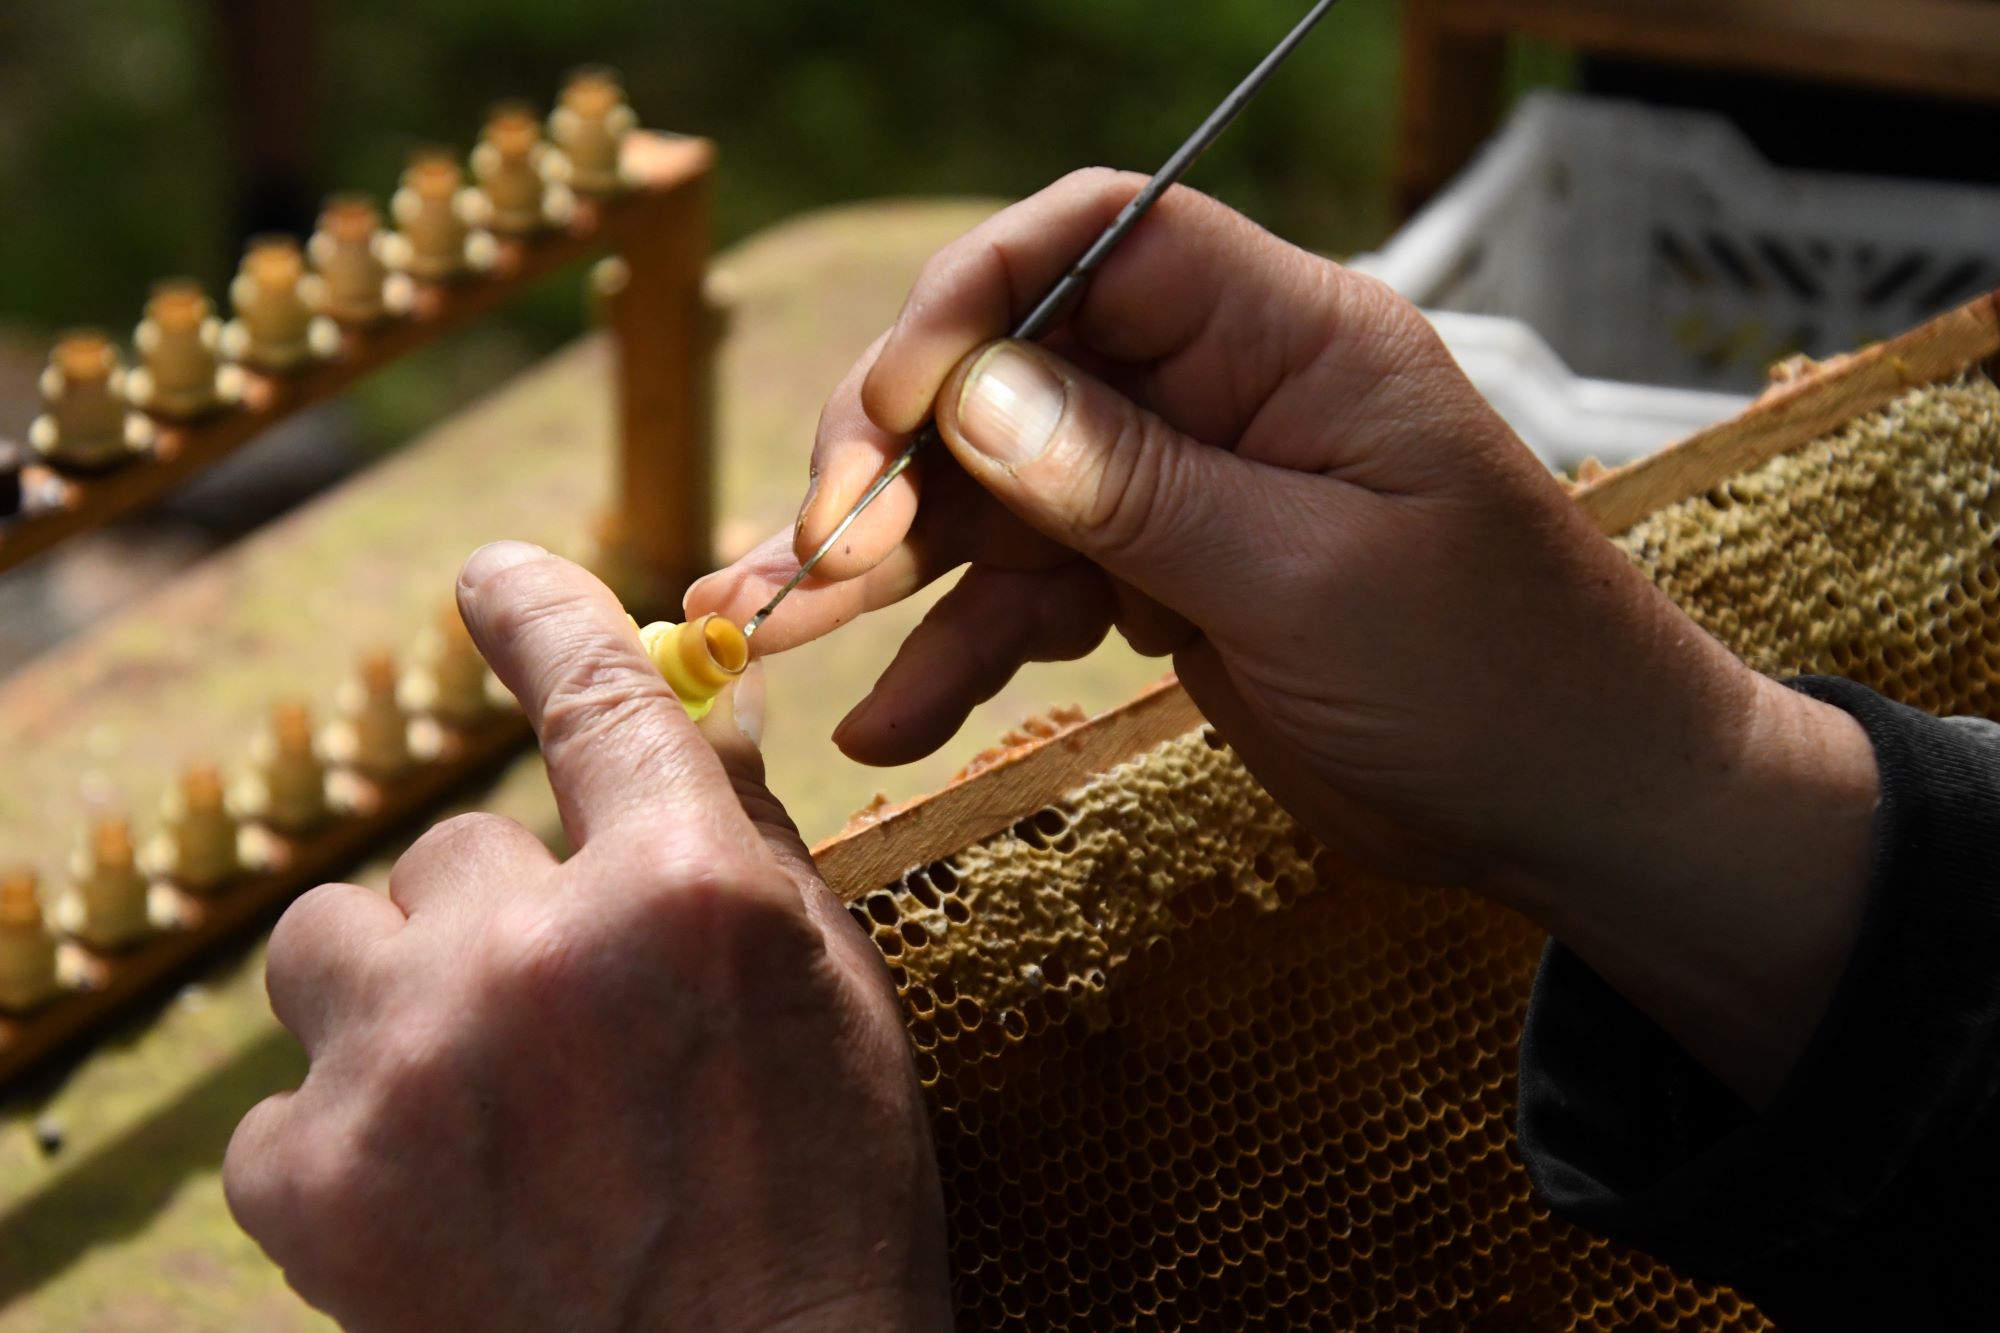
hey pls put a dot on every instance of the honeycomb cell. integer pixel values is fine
(1846, 548)
(918, 882)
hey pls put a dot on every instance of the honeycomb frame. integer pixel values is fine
(1186, 1068)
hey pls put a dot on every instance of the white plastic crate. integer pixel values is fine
(1657, 248)
(1566, 418)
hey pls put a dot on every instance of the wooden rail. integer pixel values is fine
(1454, 55)
(659, 227)
(103, 986)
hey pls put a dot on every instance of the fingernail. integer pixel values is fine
(749, 704)
(697, 594)
(806, 505)
(493, 557)
(1010, 405)
(846, 724)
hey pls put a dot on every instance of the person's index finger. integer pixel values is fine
(817, 606)
(976, 288)
(849, 453)
(620, 749)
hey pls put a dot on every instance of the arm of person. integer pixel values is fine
(1240, 455)
(1858, 1193)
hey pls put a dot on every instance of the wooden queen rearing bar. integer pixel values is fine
(308, 321)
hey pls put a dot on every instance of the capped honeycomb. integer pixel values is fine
(1868, 554)
(1185, 1068)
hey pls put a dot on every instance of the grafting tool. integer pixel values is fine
(1066, 290)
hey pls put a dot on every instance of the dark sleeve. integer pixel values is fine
(1868, 1194)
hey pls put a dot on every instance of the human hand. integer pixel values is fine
(661, 1084)
(1245, 456)
(1241, 454)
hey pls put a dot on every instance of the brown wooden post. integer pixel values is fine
(1450, 97)
(659, 533)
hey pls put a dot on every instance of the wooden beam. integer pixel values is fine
(869, 854)
(104, 722)
(1454, 55)
(1447, 103)
(108, 985)
(665, 333)
(1943, 48)
(668, 172)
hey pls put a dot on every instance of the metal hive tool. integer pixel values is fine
(1068, 289)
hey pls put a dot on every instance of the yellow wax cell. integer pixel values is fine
(697, 659)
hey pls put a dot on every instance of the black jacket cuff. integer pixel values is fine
(1863, 1149)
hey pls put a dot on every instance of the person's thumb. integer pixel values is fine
(734, 728)
(1083, 464)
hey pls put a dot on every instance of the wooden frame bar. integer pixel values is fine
(868, 855)
(1796, 413)
(664, 330)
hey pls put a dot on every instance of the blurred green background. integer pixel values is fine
(143, 138)
(128, 139)
(116, 115)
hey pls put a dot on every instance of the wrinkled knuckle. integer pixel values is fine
(948, 276)
(690, 877)
(1187, 208)
(477, 826)
(330, 1184)
(936, 272)
(1372, 314)
(1095, 182)
(300, 929)
(537, 957)
(763, 809)
(250, 1169)
(309, 1182)
(599, 691)
(412, 1074)
(1132, 492)
(651, 851)
(461, 831)
(734, 901)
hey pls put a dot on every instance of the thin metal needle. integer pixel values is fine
(1053, 305)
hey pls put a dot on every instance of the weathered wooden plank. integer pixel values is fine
(1453, 56)
(1944, 48)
